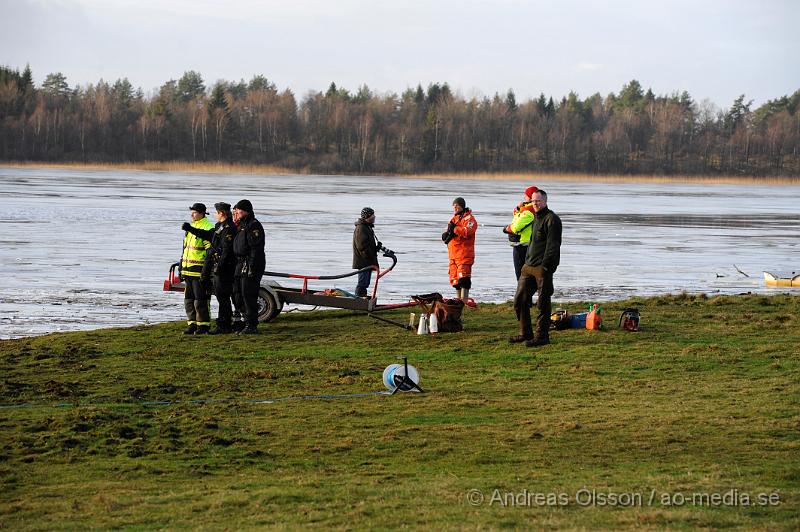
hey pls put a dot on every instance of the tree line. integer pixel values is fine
(416, 131)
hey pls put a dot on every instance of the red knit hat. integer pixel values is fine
(530, 190)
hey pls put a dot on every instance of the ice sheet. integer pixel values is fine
(87, 249)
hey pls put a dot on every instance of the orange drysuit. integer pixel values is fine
(461, 248)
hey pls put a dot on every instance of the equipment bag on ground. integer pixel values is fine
(629, 320)
(447, 311)
(448, 314)
(560, 320)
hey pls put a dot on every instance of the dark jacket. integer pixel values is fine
(248, 246)
(220, 258)
(365, 248)
(545, 246)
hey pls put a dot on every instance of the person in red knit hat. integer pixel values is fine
(519, 230)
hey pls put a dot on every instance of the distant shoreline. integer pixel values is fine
(232, 168)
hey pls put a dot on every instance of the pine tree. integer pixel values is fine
(55, 84)
(630, 95)
(737, 113)
(217, 100)
(541, 105)
(332, 91)
(261, 83)
(419, 97)
(26, 80)
(190, 86)
(511, 101)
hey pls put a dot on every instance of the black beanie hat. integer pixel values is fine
(244, 205)
(460, 202)
(366, 212)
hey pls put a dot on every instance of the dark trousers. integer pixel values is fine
(223, 289)
(238, 302)
(519, 258)
(196, 301)
(463, 282)
(248, 288)
(363, 282)
(534, 279)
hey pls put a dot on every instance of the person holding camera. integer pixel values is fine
(519, 230)
(248, 246)
(460, 240)
(197, 295)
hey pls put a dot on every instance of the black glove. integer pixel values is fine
(379, 244)
(445, 236)
(186, 226)
(505, 229)
(451, 227)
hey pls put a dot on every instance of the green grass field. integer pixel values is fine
(676, 426)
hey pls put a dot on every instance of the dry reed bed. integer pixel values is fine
(169, 166)
(542, 177)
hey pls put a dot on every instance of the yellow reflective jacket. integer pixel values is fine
(523, 222)
(195, 249)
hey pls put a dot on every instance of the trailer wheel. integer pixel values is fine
(268, 307)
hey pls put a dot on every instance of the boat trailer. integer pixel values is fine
(272, 295)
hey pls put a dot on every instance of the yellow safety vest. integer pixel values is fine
(523, 221)
(195, 249)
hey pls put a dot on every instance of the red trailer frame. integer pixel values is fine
(272, 296)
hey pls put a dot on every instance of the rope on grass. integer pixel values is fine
(195, 401)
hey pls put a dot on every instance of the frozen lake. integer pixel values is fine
(86, 249)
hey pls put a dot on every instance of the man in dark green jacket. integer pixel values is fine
(544, 254)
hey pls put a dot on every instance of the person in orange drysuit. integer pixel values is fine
(460, 240)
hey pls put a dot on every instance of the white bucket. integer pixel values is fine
(393, 376)
(423, 324)
(433, 328)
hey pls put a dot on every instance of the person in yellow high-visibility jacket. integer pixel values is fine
(519, 230)
(197, 296)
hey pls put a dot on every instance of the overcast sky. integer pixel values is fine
(715, 49)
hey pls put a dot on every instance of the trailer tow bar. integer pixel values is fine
(392, 322)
